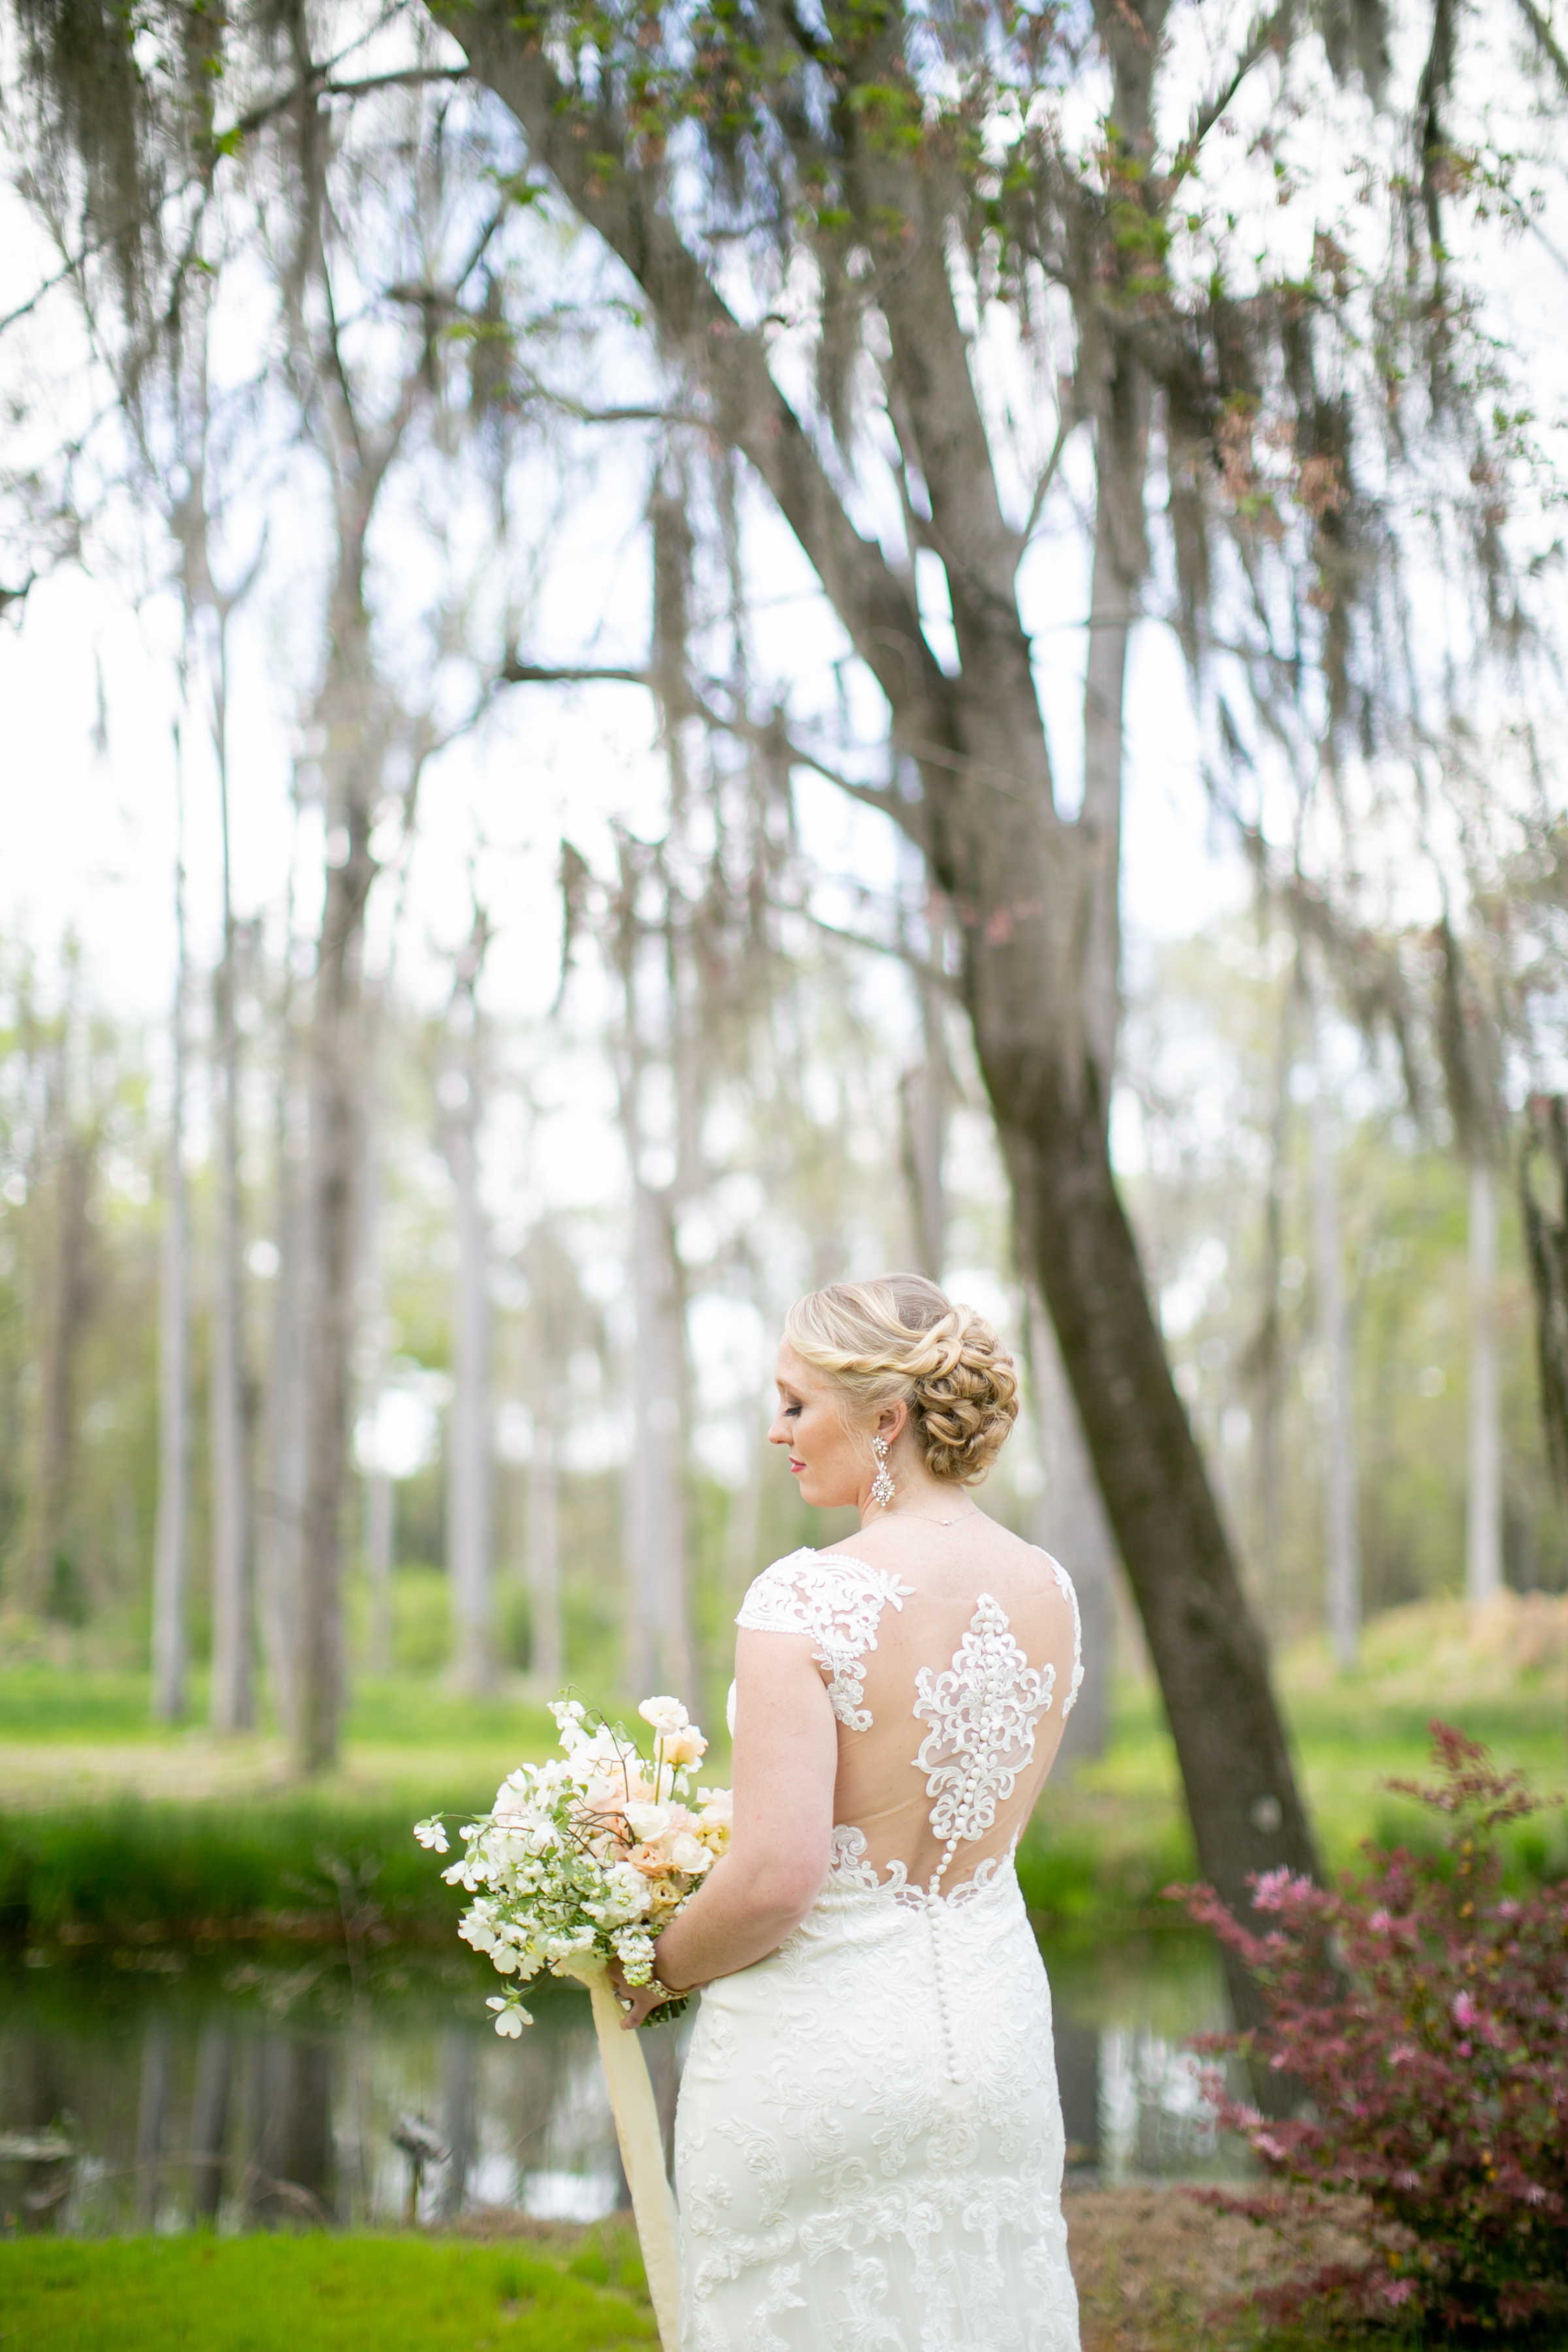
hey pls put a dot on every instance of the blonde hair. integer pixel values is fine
(900, 1336)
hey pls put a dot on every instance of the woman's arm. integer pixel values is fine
(786, 1761)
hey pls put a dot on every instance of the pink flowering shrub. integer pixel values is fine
(1425, 2016)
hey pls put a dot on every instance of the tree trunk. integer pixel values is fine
(546, 1646)
(1246, 1814)
(1265, 1358)
(232, 1698)
(50, 1574)
(170, 1542)
(152, 2119)
(470, 1468)
(281, 1503)
(335, 1171)
(290, 2171)
(1483, 1514)
(379, 1515)
(659, 1644)
(460, 2116)
(924, 1106)
(1072, 1526)
(743, 1520)
(209, 2118)
(380, 1530)
(1342, 1537)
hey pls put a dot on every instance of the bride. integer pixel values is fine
(868, 2142)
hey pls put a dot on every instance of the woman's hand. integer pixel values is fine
(644, 1998)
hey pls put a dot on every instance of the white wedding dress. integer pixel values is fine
(869, 2141)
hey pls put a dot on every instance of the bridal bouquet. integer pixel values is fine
(586, 1858)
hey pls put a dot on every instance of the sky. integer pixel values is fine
(90, 826)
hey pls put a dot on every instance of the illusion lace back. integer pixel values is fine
(868, 2144)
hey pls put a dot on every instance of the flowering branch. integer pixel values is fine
(1425, 2016)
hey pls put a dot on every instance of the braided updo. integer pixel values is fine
(900, 1336)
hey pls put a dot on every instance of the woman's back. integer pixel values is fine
(868, 2144)
(951, 1656)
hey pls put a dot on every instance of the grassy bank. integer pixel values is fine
(322, 2295)
(108, 1829)
(298, 1868)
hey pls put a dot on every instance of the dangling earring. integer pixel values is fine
(882, 1484)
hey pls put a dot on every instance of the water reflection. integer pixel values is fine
(157, 2091)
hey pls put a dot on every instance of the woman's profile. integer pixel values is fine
(869, 2143)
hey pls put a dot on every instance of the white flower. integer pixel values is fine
(687, 1854)
(627, 1889)
(568, 1714)
(432, 1834)
(649, 1823)
(667, 1716)
(510, 2018)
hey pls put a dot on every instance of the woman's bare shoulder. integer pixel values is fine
(976, 1544)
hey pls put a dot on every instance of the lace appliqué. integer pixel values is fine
(1067, 1586)
(850, 1867)
(839, 1602)
(983, 1712)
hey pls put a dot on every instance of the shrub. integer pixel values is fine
(1425, 2018)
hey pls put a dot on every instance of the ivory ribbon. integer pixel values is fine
(642, 2155)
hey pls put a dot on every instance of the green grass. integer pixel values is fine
(40, 1703)
(47, 1704)
(317, 2295)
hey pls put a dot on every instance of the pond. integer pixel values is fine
(157, 2088)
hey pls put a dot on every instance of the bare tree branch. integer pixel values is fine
(770, 735)
(67, 270)
(1263, 37)
(1042, 487)
(1551, 47)
(514, 672)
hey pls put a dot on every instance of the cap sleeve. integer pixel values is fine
(838, 1601)
(1068, 1587)
(781, 1600)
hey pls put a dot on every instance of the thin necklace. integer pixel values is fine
(927, 1520)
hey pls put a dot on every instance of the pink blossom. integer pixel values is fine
(1465, 2011)
(1274, 1888)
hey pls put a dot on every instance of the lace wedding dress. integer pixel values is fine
(868, 2142)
